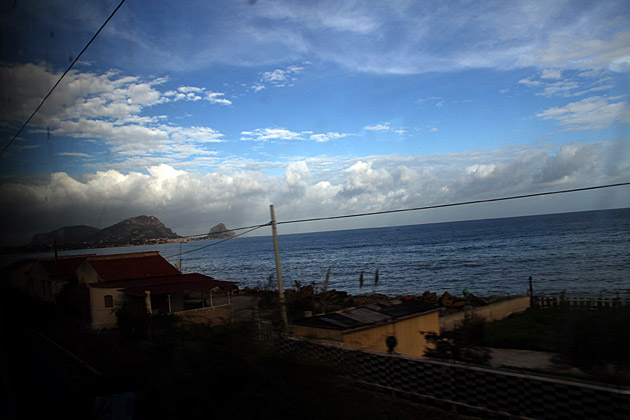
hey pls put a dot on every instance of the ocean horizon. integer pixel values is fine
(580, 254)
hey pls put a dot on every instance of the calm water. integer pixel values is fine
(586, 253)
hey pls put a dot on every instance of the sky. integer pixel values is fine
(207, 112)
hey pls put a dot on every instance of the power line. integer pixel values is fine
(223, 231)
(61, 78)
(436, 206)
(463, 203)
(219, 242)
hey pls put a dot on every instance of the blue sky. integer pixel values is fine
(207, 112)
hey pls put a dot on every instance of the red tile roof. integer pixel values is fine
(66, 265)
(165, 284)
(132, 266)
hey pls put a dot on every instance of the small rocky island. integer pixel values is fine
(220, 231)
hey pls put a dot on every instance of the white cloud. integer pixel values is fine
(190, 202)
(278, 78)
(551, 74)
(593, 113)
(279, 133)
(581, 53)
(263, 134)
(435, 100)
(399, 37)
(378, 127)
(108, 107)
(385, 127)
(217, 98)
(529, 82)
(73, 154)
(324, 137)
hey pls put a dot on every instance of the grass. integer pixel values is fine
(595, 341)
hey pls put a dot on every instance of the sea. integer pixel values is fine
(578, 254)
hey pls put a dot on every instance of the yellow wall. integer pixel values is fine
(321, 333)
(86, 274)
(101, 316)
(408, 332)
(492, 312)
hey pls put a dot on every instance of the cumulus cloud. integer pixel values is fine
(278, 78)
(108, 107)
(190, 202)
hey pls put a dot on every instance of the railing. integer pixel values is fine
(468, 389)
(551, 301)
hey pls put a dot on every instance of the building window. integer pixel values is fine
(109, 301)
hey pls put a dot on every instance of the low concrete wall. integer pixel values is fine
(491, 312)
(212, 315)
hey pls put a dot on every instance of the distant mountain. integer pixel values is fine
(134, 231)
(220, 231)
(66, 235)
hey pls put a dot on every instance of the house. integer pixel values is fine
(101, 283)
(373, 326)
(43, 278)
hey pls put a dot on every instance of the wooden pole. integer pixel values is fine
(283, 306)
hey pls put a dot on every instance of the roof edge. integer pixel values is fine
(390, 321)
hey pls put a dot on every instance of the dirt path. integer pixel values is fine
(527, 359)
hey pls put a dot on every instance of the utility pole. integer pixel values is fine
(283, 306)
(56, 262)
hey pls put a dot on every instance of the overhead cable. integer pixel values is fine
(463, 203)
(61, 78)
(436, 206)
(218, 242)
(224, 231)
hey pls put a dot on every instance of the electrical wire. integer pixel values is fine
(219, 242)
(61, 78)
(223, 231)
(463, 203)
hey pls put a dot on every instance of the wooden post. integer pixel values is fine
(56, 262)
(283, 306)
(531, 293)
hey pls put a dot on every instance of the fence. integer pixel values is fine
(579, 302)
(488, 392)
